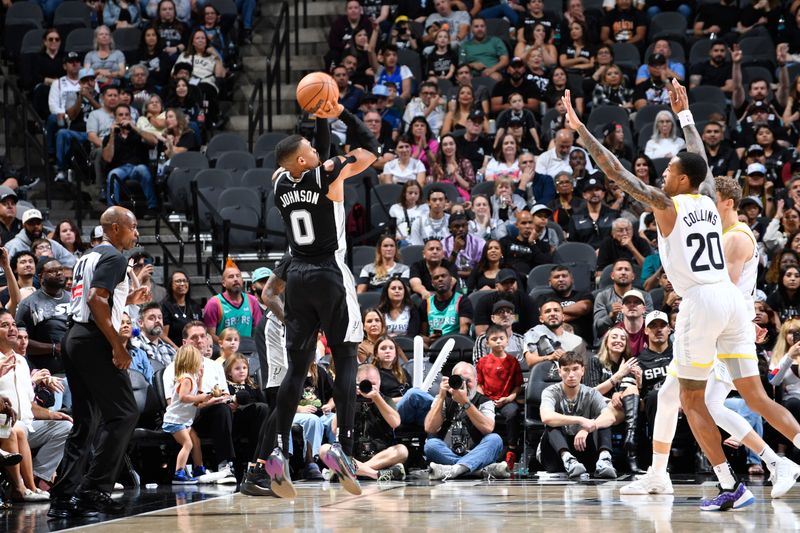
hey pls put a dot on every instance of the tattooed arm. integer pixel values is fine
(612, 168)
(694, 142)
(270, 295)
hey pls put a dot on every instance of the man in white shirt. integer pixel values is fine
(556, 159)
(429, 105)
(435, 224)
(63, 93)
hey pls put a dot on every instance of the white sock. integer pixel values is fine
(796, 441)
(770, 458)
(725, 476)
(660, 461)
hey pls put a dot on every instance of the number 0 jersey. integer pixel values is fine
(315, 225)
(692, 254)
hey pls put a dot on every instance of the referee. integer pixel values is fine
(96, 363)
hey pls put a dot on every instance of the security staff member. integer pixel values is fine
(96, 363)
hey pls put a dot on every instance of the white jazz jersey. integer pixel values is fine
(692, 253)
(749, 276)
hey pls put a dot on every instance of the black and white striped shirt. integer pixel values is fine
(102, 267)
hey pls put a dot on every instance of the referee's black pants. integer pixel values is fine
(102, 401)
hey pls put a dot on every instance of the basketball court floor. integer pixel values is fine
(456, 506)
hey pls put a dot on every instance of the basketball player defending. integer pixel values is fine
(320, 294)
(712, 310)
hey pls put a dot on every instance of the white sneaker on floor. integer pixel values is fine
(118, 486)
(226, 476)
(440, 472)
(786, 474)
(650, 483)
(496, 471)
(574, 468)
(35, 496)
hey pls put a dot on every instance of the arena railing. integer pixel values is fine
(297, 23)
(18, 118)
(255, 113)
(280, 47)
(168, 256)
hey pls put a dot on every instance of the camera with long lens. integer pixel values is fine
(455, 381)
(459, 438)
(365, 386)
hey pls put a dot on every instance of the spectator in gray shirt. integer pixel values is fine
(572, 438)
(608, 302)
(551, 316)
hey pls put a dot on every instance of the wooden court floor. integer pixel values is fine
(469, 506)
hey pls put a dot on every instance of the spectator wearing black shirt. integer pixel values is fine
(178, 137)
(473, 145)
(653, 91)
(178, 308)
(654, 360)
(344, 29)
(516, 82)
(125, 149)
(719, 18)
(46, 67)
(624, 24)
(593, 223)
(576, 306)
(173, 34)
(442, 60)
(508, 288)
(715, 71)
(535, 14)
(623, 243)
(721, 159)
(10, 225)
(566, 201)
(525, 250)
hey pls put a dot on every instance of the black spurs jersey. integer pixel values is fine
(315, 225)
(654, 369)
(102, 267)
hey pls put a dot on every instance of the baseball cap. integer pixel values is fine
(86, 73)
(635, 293)
(541, 207)
(749, 200)
(380, 90)
(97, 232)
(756, 168)
(506, 274)
(401, 18)
(72, 56)
(514, 121)
(31, 214)
(502, 304)
(516, 61)
(261, 273)
(476, 114)
(655, 315)
(753, 148)
(611, 126)
(593, 183)
(656, 59)
(7, 192)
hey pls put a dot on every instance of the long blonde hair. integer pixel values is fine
(188, 362)
(604, 354)
(781, 346)
(380, 266)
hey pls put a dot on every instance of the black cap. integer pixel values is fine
(593, 183)
(502, 304)
(656, 59)
(476, 115)
(611, 126)
(72, 56)
(506, 274)
(516, 61)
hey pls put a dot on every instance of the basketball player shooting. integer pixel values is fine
(320, 292)
(712, 311)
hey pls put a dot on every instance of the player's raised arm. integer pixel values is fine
(611, 166)
(356, 160)
(694, 142)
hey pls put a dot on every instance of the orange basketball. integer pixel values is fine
(316, 90)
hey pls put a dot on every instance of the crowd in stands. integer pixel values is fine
(499, 231)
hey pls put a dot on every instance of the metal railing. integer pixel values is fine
(18, 118)
(297, 23)
(167, 254)
(255, 113)
(280, 47)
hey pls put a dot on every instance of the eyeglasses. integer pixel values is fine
(53, 39)
(180, 281)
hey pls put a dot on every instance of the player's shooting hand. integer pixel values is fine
(677, 96)
(329, 110)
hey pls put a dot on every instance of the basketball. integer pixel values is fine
(316, 90)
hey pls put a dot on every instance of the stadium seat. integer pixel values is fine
(276, 238)
(31, 42)
(224, 142)
(647, 114)
(411, 254)
(70, 16)
(758, 51)
(484, 187)
(412, 60)
(386, 193)
(267, 141)
(669, 24)
(178, 189)
(539, 276)
(708, 94)
(80, 40)
(21, 17)
(188, 160)
(242, 196)
(577, 252)
(702, 110)
(213, 177)
(128, 40)
(368, 300)
(363, 255)
(379, 218)
(238, 238)
(602, 115)
(627, 55)
(236, 160)
(258, 177)
(207, 205)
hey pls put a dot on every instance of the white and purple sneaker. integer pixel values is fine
(343, 467)
(277, 468)
(729, 500)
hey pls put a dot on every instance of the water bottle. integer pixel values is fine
(492, 127)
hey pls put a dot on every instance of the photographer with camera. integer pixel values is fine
(460, 425)
(374, 454)
(125, 150)
(569, 409)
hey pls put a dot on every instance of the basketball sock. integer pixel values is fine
(796, 441)
(660, 462)
(725, 476)
(771, 458)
